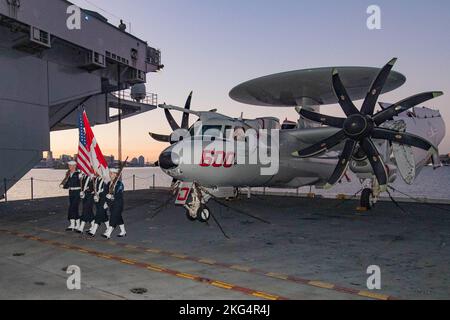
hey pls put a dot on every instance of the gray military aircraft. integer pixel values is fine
(213, 158)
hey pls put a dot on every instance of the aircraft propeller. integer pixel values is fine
(362, 126)
(173, 124)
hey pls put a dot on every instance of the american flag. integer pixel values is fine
(83, 159)
(90, 158)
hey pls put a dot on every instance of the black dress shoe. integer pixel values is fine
(70, 229)
(91, 234)
(121, 236)
(78, 231)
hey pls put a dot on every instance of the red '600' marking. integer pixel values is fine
(217, 159)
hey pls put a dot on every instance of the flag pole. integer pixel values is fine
(119, 115)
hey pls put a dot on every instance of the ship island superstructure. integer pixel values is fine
(50, 66)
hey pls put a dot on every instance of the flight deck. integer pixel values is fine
(277, 248)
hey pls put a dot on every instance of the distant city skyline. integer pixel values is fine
(137, 155)
(60, 161)
(211, 46)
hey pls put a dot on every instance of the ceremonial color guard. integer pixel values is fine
(87, 196)
(115, 204)
(101, 214)
(72, 183)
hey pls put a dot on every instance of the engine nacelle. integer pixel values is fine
(363, 170)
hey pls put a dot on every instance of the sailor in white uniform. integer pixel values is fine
(115, 204)
(101, 214)
(72, 183)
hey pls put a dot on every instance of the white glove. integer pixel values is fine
(82, 195)
(96, 198)
(61, 186)
(105, 206)
(110, 197)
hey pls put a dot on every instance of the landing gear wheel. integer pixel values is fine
(366, 198)
(189, 217)
(203, 214)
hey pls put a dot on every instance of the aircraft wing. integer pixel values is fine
(298, 139)
(205, 115)
(310, 136)
(197, 113)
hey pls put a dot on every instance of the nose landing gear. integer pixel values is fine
(189, 216)
(203, 214)
(196, 209)
(367, 199)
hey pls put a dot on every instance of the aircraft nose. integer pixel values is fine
(169, 160)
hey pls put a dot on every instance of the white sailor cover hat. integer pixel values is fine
(113, 170)
(72, 163)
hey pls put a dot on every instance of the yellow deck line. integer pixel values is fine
(240, 268)
(265, 295)
(126, 261)
(373, 295)
(277, 275)
(207, 261)
(320, 284)
(222, 285)
(153, 250)
(154, 269)
(186, 276)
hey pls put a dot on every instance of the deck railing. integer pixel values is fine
(151, 98)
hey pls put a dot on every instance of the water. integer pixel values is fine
(431, 184)
(46, 182)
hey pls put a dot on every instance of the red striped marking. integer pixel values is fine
(235, 267)
(149, 266)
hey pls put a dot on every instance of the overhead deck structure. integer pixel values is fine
(49, 69)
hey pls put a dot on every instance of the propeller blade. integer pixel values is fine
(403, 138)
(404, 105)
(384, 105)
(322, 146)
(376, 162)
(323, 119)
(159, 137)
(369, 103)
(341, 93)
(342, 166)
(185, 121)
(173, 124)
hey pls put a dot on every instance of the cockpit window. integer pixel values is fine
(192, 131)
(228, 132)
(212, 131)
(239, 134)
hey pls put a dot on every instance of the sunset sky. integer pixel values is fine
(211, 46)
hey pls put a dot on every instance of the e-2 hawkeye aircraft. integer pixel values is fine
(219, 154)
